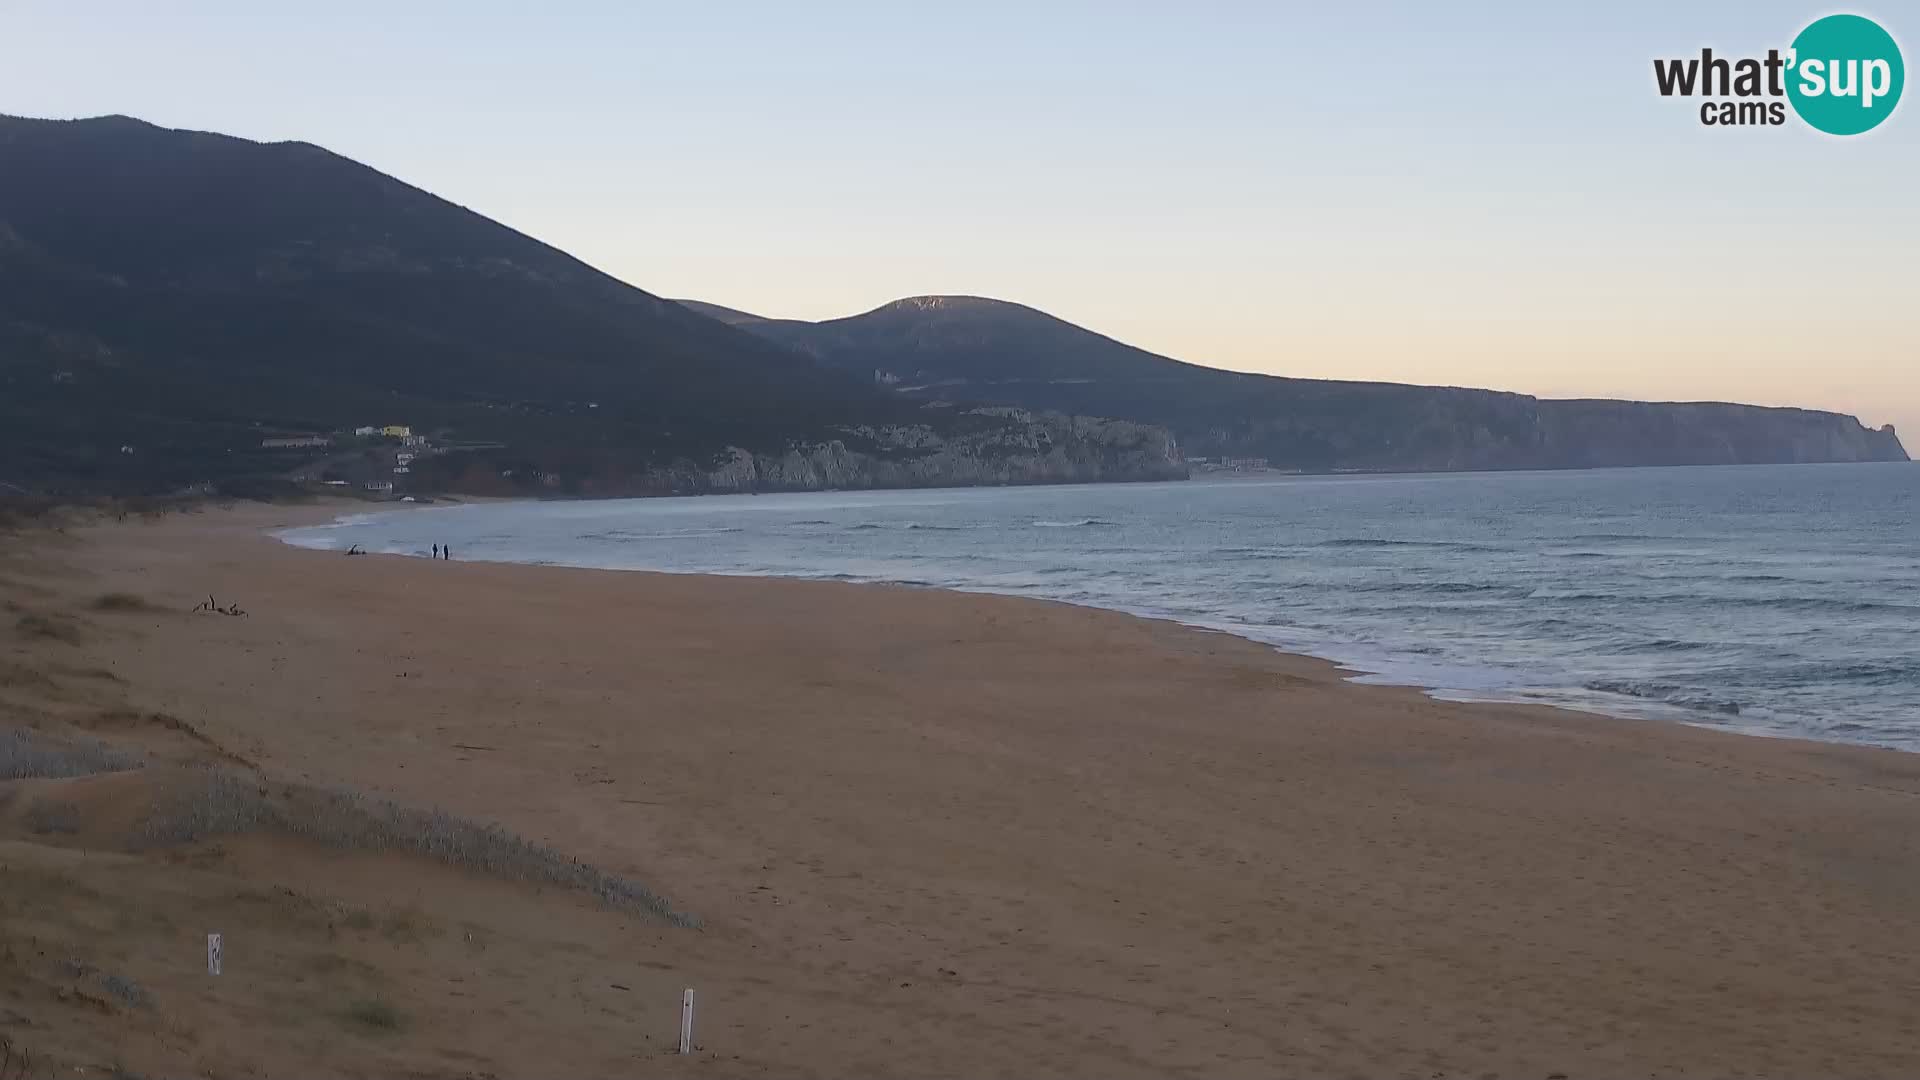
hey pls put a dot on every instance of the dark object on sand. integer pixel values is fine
(213, 608)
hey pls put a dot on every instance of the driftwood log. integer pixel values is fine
(212, 607)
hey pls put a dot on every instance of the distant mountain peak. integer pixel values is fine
(937, 302)
(951, 303)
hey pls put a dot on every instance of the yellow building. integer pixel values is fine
(398, 431)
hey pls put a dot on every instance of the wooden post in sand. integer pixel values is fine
(213, 954)
(686, 1022)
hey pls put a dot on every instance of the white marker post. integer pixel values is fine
(213, 954)
(686, 1022)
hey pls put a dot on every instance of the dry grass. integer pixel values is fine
(123, 989)
(409, 924)
(25, 588)
(15, 1062)
(25, 755)
(21, 677)
(212, 803)
(123, 602)
(26, 511)
(129, 992)
(98, 673)
(19, 513)
(128, 718)
(375, 1014)
(48, 628)
(47, 817)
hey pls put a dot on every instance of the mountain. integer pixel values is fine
(971, 348)
(171, 300)
(720, 314)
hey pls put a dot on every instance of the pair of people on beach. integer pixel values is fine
(442, 551)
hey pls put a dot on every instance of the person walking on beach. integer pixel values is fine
(446, 551)
(436, 551)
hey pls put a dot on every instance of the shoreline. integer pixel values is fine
(1346, 673)
(938, 833)
(1384, 670)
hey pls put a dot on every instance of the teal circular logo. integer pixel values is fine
(1846, 74)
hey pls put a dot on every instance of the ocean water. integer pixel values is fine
(1779, 600)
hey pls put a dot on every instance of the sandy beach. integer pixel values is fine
(925, 834)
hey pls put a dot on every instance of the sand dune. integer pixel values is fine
(927, 834)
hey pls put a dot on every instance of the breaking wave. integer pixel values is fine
(1684, 697)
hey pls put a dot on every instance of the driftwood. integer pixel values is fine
(211, 607)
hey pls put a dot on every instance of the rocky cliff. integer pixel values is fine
(1585, 433)
(990, 446)
(974, 349)
(1439, 429)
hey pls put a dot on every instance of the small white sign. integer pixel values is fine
(686, 1022)
(213, 954)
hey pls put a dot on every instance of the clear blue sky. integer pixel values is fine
(1491, 195)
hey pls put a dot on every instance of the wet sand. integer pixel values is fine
(936, 834)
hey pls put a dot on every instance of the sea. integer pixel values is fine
(1772, 600)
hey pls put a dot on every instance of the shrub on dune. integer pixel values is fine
(211, 803)
(25, 755)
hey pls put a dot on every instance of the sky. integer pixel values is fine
(1473, 194)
